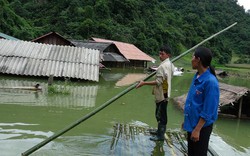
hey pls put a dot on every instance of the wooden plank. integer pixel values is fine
(240, 108)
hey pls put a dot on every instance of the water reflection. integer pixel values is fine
(11, 136)
(79, 96)
(112, 76)
(158, 149)
(28, 117)
(130, 78)
(17, 133)
(224, 149)
(14, 147)
(86, 144)
(234, 132)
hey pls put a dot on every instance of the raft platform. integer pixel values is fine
(129, 139)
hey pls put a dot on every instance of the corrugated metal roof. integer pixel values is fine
(113, 57)
(129, 51)
(35, 59)
(91, 44)
(2, 35)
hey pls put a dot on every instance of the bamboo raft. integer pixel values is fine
(131, 139)
(23, 88)
(36, 87)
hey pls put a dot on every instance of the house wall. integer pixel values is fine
(110, 64)
(53, 39)
(137, 63)
(133, 63)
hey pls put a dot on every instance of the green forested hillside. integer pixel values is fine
(145, 23)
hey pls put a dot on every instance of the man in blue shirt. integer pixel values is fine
(201, 106)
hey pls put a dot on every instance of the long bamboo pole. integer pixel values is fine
(74, 124)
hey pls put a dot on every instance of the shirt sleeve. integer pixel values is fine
(159, 76)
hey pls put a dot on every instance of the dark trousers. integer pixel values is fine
(161, 112)
(200, 147)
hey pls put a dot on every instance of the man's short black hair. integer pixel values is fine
(166, 49)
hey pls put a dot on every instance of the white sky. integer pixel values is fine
(245, 3)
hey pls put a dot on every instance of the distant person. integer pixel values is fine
(37, 87)
(201, 106)
(161, 90)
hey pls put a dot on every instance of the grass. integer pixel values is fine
(236, 69)
(245, 66)
(56, 89)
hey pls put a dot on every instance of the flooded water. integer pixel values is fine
(28, 117)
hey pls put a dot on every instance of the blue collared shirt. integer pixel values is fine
(202, 101)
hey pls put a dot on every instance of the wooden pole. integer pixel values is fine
(104, 105)
(50, 80)
(240, 107)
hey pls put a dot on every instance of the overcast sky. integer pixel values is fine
(245, 3)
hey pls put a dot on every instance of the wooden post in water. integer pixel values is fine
(50, 80)
(240, 107)
(74, 124)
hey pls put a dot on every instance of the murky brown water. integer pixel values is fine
(29, 117)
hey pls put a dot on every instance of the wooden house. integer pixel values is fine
(110, 55)
(135, 57)
(53, 38)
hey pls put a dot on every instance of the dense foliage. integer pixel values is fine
(145, 23)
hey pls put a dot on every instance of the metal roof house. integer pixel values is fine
(5, 36)
(110, 54)
(136, 57)
(53, 38)
(36, 59)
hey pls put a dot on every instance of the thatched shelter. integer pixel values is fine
(234, 101)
